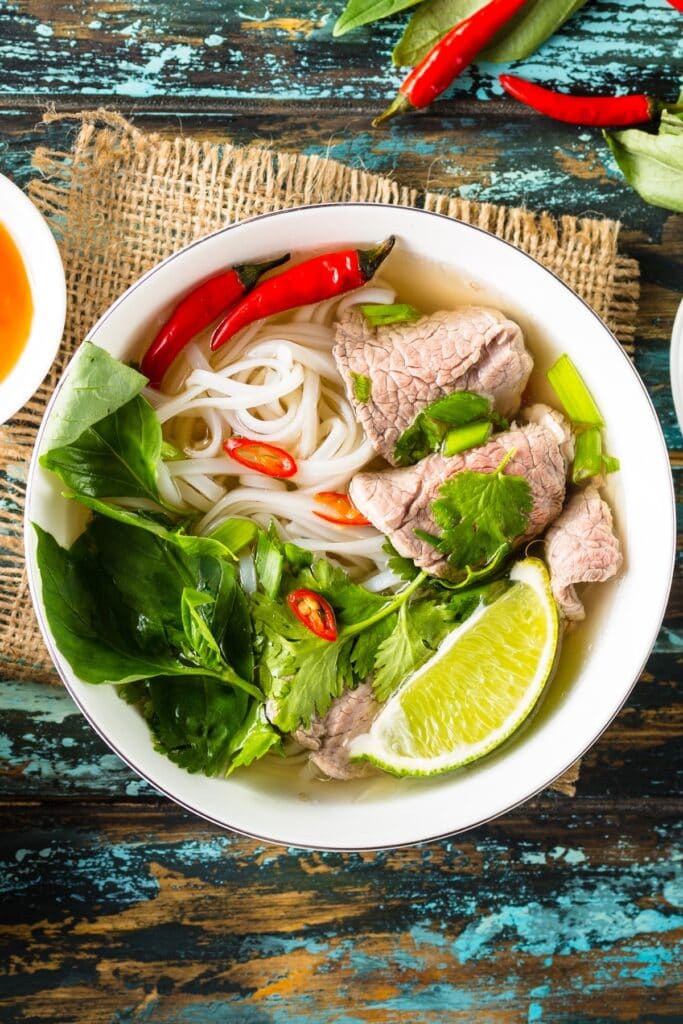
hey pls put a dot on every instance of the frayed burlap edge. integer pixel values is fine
(121, 200)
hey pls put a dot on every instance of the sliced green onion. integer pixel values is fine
(235, 534)
(170, 453)
(383, 316)
(269, 561)
(588, 457)
(610, 464)
(573, 393)
(459, 439)
(362, 386)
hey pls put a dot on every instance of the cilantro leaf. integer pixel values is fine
(419, 630)
(403, 567)
(478, 514)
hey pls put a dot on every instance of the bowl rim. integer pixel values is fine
(42, 344)
(56, 657)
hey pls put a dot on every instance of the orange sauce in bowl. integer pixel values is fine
(16, 304)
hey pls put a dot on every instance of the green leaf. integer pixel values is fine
(479, 513)
(115, 457)
(426, 434)
(363, 12)
(114, 602)
(96, 386)
(403, 567)
(535, 23)
(159, 525)
(652, 164)
(362, 387)
(419, 630)
(170, 453)
(201, 641)
(194, 721)
(253, 739)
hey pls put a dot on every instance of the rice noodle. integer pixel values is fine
(276, 382)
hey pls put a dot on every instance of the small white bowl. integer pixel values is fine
(676, 365)
(624, 615)
(43, 263)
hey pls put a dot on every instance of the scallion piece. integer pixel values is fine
(383, 315)
(610, 464)
(235, 533)
(459, 439)
(588, 457)
(269, 562)
(573, 393)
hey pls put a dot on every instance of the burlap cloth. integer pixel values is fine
(122, 200)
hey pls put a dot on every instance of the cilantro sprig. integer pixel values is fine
(480, 516)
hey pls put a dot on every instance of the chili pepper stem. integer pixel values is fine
(369, 260)
(250, 273)
(401, 105)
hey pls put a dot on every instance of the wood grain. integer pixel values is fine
(120, 908)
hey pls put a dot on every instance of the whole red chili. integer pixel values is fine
(315, 613)
(322, 277)
(196, 310)
(341, 509)
(450, 56)
(264, 458)
(601, 111)
(678, 4)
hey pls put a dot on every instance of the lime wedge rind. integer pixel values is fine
(524, 659)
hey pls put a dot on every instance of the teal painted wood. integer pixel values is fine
(283, 51)
(160, 918)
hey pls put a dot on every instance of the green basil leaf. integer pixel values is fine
(362, 12)
(115, 457)
(538, 20)
(194, 721)
(652, 164)
(255, 738)
(96, 386)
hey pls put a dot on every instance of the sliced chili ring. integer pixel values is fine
(314, 612)
(342, 511)
(261, 457)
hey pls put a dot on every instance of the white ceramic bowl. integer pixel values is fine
(43, 263)
(624, 618)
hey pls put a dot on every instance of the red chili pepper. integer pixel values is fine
(342, 510)
(450, 56)
(196, 310)
(264, 458)
(316, 279)
(315, 613)
(600, 111)
(678, 4)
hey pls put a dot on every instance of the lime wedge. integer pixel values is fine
(476, 690)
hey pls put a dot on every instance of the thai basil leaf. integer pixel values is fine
(114, 604)
(538, 20)
(363, 12)
(194, 721)
(652, 164)
(115, 457)
(96, 386)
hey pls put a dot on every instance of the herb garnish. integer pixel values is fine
(362, 387)
(435, 422)
(480, 516)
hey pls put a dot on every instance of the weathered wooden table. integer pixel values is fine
(118, 906)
